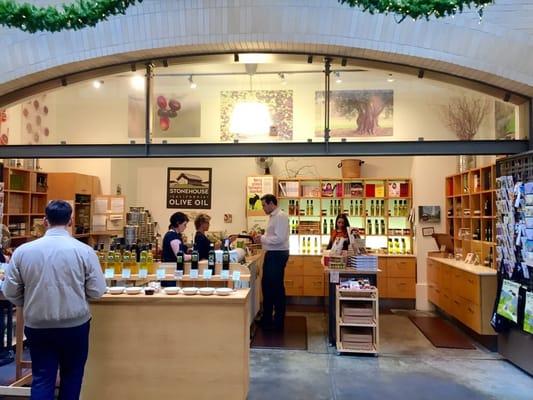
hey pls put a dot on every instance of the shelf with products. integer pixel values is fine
(379, 208)
(24, 200)
(470, 219)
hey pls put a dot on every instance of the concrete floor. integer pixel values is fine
(408, 367)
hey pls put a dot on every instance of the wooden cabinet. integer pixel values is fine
(24, 201)
(464, 291)
(304, 276)
(397, 279)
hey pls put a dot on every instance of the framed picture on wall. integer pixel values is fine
(189, 188)
(430, 214)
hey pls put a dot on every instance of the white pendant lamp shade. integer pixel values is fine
(250, 118)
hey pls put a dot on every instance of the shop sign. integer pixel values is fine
(189, 188)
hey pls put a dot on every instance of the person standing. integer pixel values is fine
(173, 239)
(201, 242)
(275, 242)
(340, 237)
(53, 278)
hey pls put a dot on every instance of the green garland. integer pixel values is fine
(76, 15)
(418, 8)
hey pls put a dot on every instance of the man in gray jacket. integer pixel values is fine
(52, 278)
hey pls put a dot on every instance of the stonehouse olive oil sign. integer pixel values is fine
(189, 188)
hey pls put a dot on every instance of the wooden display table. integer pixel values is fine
(163, 346)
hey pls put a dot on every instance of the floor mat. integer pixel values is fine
(442, 333)
(292, 337)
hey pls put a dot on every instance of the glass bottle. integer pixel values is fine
(150, 260)
(195, 257)
(211, 258)
(225, 256)
(180, 261)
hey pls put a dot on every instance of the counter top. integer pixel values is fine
(473, 269)
(353, 271)
(239, 296)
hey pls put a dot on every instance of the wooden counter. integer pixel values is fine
(465, 291)
(164, 346)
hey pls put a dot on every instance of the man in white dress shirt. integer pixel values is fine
(275, 242)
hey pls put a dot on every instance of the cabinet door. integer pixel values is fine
(312, 266)
(472, 315)
(83, 184)
(313, 286)
(294, 266)
(294, 285)
(401, 288)
(401, 267)
(471, 287)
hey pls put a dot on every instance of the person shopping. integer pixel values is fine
(339, 238)
(53, 278)
(173, 239)
(275, 242)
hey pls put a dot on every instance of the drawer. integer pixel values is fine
(312, 266)
(83, 184)
(446, 302)
(457, 308)
(294, 285)
(382, 285)
(433, 295)
(472, 316)
(295, 266)
(401, 288)
(401, 267)
(470, 290)
(313, 286)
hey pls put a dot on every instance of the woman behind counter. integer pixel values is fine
(173, 240)
(341, 232)
(201, 242)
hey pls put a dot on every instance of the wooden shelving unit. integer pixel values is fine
(25, 198)
(378, 207)
(471, 212)
(357, 321)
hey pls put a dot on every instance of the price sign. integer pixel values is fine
(126, 273)
(224, 274)
(160, 273)
(236, 276)
(109, 273)
(194, 274)
(208, 273)
(334, 276)
(143, 273)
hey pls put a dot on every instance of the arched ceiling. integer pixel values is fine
(498, 51)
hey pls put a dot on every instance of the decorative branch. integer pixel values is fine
(463, 115)
(76, 15)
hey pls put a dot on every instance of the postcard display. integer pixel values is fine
(514, 254)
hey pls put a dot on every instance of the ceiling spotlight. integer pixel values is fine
(192, 83)
(344, 61)
(390, 78)
(137, 81)
(282, 77)
(165, 63)
(338, 77)
(310, 59)
(236, 57)
(421, 73)
(97, 84)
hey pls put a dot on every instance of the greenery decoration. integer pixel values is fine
(418, 9)
(76, 15)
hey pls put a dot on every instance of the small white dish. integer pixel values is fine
(116, 289)
(224, 291)
(134, 290)
(171, 290)
(189, 291)
(207, 291)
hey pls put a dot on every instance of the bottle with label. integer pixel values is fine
(118, 261)
(403, 249)
(133, 260)
(291, 207)
(150, 265)
(142, 259)
(225, 256)
(309, 245)
(312, 209)
(351, 207)
(383, 227)
(372, 208)
(369, 227)
(390, 246)
(396, 246)
(126, 258)
(102, 257)
(376, 227)
(316, 245)
(325, 227)
(331, 225)
(395, 209)
(297, 208)
(211, 259)
(111, 257)
(195, 257)
(180, 261)
(331, 207)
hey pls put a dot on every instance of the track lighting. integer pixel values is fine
(309, 59)
(390, 79)
(192, 83)
(97, 84)
(338, 77)
(344, 62)
(282, 77)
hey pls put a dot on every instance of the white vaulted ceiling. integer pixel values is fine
(499, 51)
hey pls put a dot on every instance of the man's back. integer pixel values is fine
(53, 276)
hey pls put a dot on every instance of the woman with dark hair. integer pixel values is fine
(341, 232)
(173, 241)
